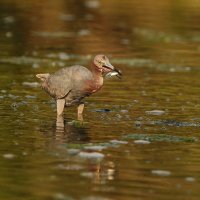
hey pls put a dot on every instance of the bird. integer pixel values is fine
(70, 85)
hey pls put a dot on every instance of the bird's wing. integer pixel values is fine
(67, 79)
(58, 86)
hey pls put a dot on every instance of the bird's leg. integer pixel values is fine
(60, 106)
(80, 111)
(60, 122)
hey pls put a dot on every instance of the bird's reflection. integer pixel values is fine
(73, 133)
(66, 131)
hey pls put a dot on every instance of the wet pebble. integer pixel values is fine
(9, 19)
(95, 148)
(118, 116)
(190, 179)
(61, 64)
(30, 97)
(61, 196)
(92, 4)
(118, 142)
(70, 167)
(35, 65)
(87, 174)
(155, 112)
(89, 17)
(161, 172)
(24, 153)
(95, 198)
(9, 156)
(92, 155)
(138, 123)
(35, 53)
(9, 34)
(3, 91)
(73, 151)
(63, 56)
(83, 32)
(12, 96)
(142, 142)
(67, 17)
(125, 41)
(31, 84)
(124, 111)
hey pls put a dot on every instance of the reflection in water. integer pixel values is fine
(75, 132)
(70, 132)
(64, 131)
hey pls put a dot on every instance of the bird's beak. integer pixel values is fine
(113, 70)
(108, 65)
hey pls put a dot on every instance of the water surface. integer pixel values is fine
(140, 136)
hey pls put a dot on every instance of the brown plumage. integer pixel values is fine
(71, 84)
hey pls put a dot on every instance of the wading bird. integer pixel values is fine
(70, 85)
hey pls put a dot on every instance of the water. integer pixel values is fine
(140, 136)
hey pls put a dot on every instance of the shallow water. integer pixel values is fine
(140, 136)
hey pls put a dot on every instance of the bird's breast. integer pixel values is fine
(93, 86)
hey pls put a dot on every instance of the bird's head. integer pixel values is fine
(103, 64)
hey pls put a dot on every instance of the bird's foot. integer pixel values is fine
(80, 117)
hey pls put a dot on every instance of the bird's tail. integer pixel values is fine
(43, 77)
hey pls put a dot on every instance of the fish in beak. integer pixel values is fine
(111, 71)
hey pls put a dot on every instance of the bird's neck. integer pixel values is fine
(97, 77)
